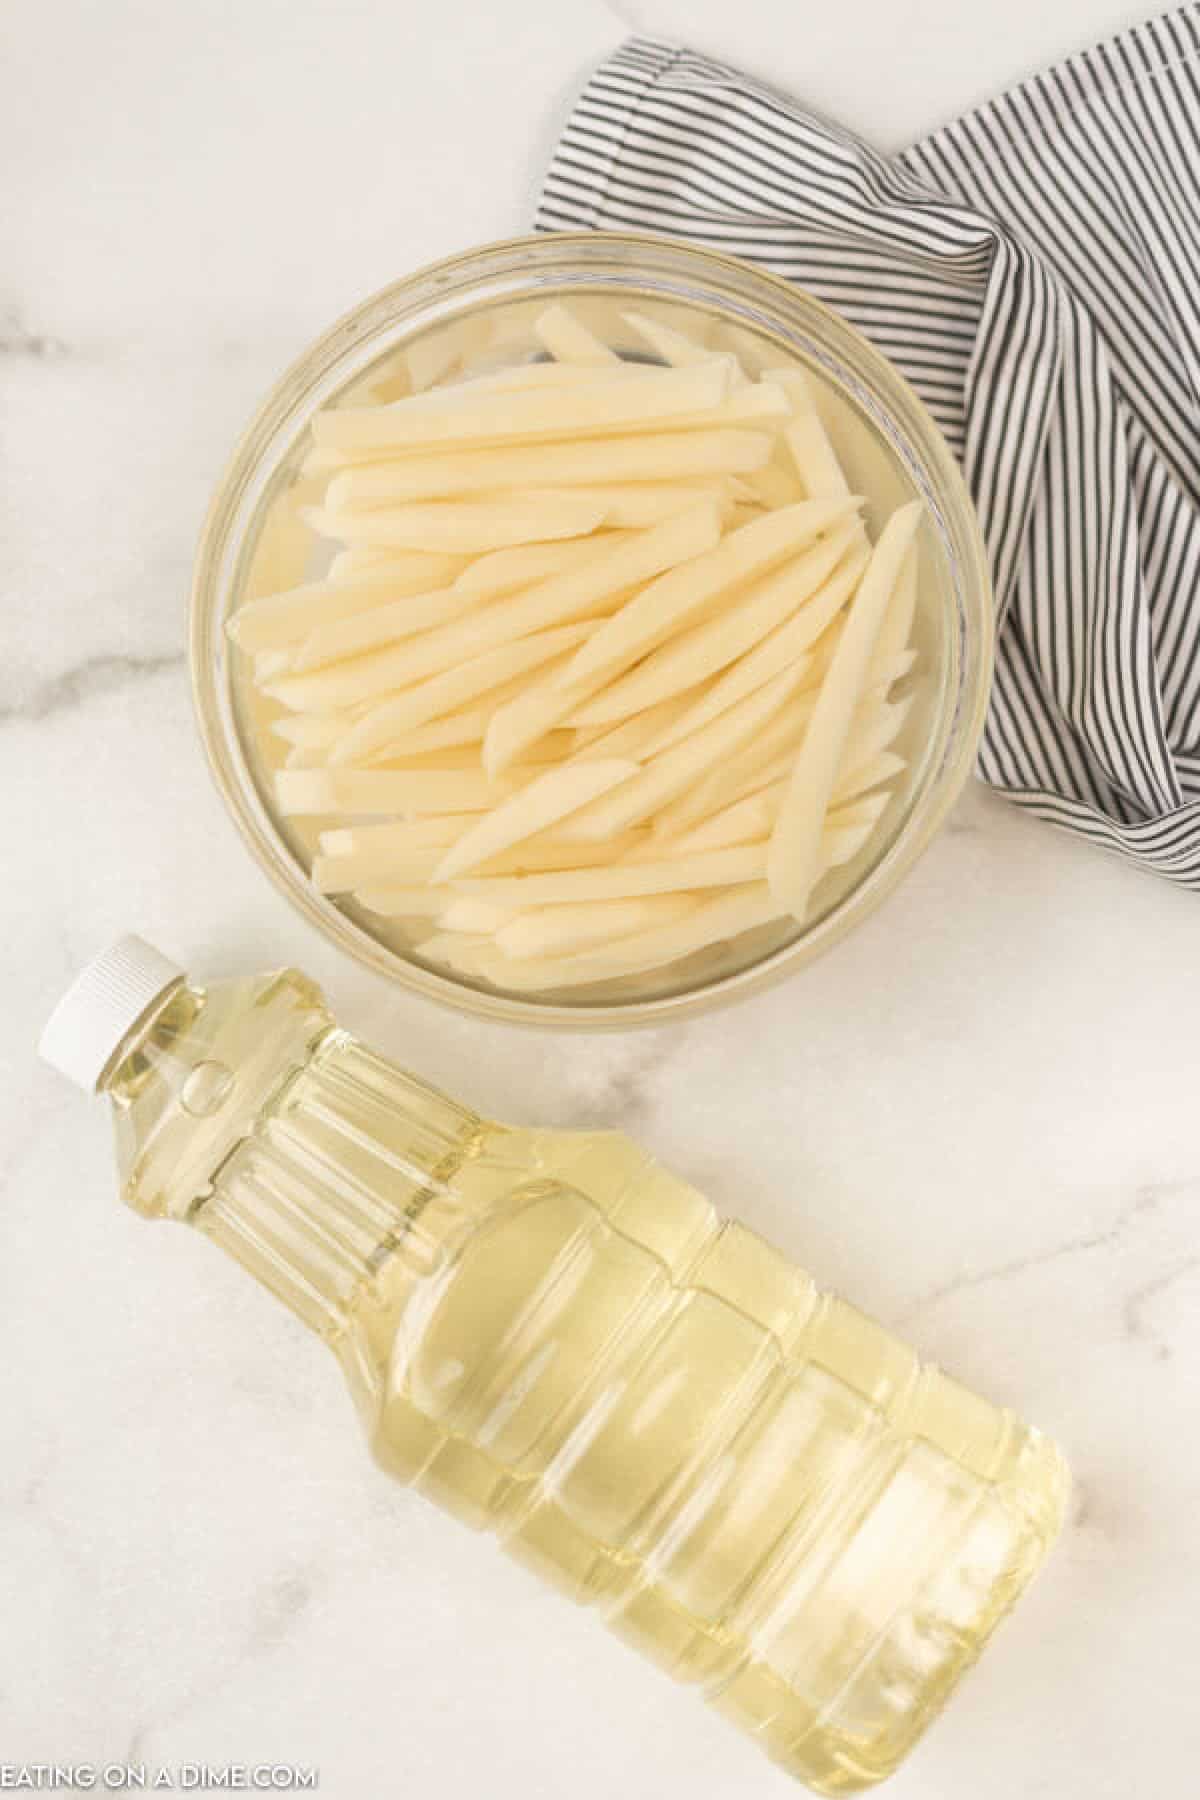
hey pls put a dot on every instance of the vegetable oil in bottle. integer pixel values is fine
(560, 1342)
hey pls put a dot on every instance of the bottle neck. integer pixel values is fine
(244, 1111)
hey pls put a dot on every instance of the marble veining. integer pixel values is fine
(976, 1117)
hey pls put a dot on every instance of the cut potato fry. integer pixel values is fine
(894, 633)
(582, 409)
(666, 604)
(386, 624)
(677, 769)
(397, 834)
(277, 621)
(304, 756)
(818, 468)
(671, 457)
(745, 908)
(403, 903)
(781, 649)
(448, 691)
(759, 762)
(675, 348)
(633, 505)
(875, 727)
(848, 830)
(673, 875)
(544, 802)
(395, 854)
(549, 603)
(639, 558)
(299, 791)
(561, 333)
(281, 555)
(270, 664)
(349, 564)
(341, 874)
(463, 914)
(793, 866)
(633, 735)
(312, 731)
(693, 655)
(563, 930)
(746, 821)
(772, 486)
(467, 526)
(503, 572)
(861, 777)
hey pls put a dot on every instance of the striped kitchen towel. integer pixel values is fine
(1034, 271)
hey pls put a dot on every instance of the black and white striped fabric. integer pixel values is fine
(1034, 271)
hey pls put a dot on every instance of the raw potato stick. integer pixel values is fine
(582, 409)
(793, 863)
(301, 791)
(450, 732)
(397, 834)
(462, 951)
(672, 456)
(281, 554)
(864, 776)
(450, 690)
(268, 664)
(781, 649)
(633, 505)
(676, 769)
(561, 333)
(680, 351)
(741, 774)
(565, 930)
(818, 468)
(411, 902)
(848, 829)
(502, 572)
(474, 916)
(276, 621)
(746, 821)
(311, 731)
(543, 803)
(385, 624)
(466, 526)
(633, 736)
(744, 909)
(348, 564)
(671, 875)
(876, 725)
(341, 874)
(897, 625)
(552, 602)
(366, 681)
(543, 377)
(666, 604)
(384, 860)
(704, 649)
(772, 486)
(663, 546)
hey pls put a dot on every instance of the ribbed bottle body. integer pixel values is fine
(560, 1342)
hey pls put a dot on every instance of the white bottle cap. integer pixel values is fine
(102, 1005)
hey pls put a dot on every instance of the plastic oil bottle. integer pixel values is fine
(559, 1341)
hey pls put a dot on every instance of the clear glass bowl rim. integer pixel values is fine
(453, 277)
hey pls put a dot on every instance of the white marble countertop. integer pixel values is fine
(978, 1117)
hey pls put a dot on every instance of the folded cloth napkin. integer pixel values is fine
(1034, 271)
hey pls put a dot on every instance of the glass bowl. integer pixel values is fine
(479, 307)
